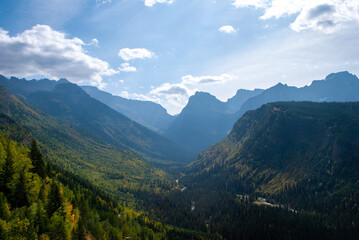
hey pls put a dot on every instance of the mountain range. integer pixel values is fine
(286, 170)
(206, 120)
(71, 103)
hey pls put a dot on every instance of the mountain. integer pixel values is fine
(71, 103)
(336, 87)
(234, 104)
(23, 87)
(205, 120)
(201, 122)
(296, 159)
(288, 170)
(74, 148)
(149, 114)
(286, 143)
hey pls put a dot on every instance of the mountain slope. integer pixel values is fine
(69, 102)
(74, 148)
(286, 171)
(146, 113)
(285, 143)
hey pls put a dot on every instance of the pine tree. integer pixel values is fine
(37, 160)
(20, 195)
(4, 208)
(7, 171)
(57, 228)
(54, 199)
(40, 220)
(79, 233)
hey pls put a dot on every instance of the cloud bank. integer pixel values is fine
(323, 15)
(44, 51)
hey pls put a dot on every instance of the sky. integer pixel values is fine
(166, 50)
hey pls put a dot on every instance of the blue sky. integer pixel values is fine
(165, 50)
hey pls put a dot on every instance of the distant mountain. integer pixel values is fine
(146, 113)
(336, 87)
(71, 103)
(201, 123)
(73, 148)
(23, 87)
(235, 103)
(205, 120)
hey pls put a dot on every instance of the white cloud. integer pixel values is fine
(124, 94)
(174, 96)
(94, 42)
(324, 15)
(126, 67)
(189, 79)
(172, 89)
(150, 3)
(246, 3)
(100, 2)
(128, 54)
(227, 29)
(44, 51)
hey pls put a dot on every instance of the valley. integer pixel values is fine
(286, 170)
(179, 120)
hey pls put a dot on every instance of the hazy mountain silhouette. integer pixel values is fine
(206, 120)
(147, 113)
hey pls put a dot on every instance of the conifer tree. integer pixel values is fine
(7, 171)
(41, 220)
(37, 160)
(57, 228)
(54, 199)
(79, 233)
(20, 195)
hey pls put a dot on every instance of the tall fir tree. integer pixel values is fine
(20, 194)
(79, 233)
(7, 170)
(37, 159)
(54, 201)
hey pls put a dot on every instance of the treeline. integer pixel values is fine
(40, 200)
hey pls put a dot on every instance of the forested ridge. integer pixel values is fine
(40, 200)
(115, 170)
